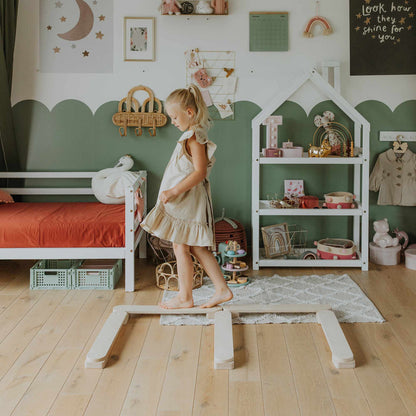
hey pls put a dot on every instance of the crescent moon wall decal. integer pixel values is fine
(84, 25)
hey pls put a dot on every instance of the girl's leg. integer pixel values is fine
(185, 276)
(209, 263)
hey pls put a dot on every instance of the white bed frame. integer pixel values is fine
(133, 237)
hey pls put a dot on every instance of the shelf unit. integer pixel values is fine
(360, 187)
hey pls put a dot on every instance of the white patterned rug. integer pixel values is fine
(348, 301)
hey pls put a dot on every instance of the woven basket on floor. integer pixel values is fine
(167, 275)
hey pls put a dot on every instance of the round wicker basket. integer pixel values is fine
(167, 275)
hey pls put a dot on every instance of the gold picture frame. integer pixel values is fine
(276, 240)
(139, 38)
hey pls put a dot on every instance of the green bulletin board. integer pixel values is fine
(269, 31)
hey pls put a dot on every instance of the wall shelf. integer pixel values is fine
(265, 209)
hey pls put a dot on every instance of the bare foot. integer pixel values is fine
(219, 297)
(177, 303)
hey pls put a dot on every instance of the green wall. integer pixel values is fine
(71, 138)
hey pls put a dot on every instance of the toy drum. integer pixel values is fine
(339, 200)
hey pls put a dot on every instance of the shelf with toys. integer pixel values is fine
(352, 150)
(194, 7)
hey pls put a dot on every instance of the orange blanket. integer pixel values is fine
(56, 224)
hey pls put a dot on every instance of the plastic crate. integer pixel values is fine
(96, 274)
(53, 274)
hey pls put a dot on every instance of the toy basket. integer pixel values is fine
(53, 274)
(134, 115)
(97, 274)
(229, 229)
(167, 275)
(284, 240)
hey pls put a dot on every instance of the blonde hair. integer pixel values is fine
(192, 98)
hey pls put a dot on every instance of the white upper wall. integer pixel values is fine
(259, 73)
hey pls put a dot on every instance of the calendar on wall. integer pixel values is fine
(269, 31)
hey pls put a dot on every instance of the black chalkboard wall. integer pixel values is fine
(382, 37)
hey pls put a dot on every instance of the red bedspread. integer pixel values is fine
(56, 224)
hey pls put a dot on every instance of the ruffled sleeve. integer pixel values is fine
(201, 135)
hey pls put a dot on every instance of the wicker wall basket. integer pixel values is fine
(167, 275)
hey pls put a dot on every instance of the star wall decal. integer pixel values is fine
(367, 21)
(99, 35)
(63, 19)
(56, 49)
(73, 46)
(49, 27)
(373, 36)
(95, 2)
(411, 14)
(368, 1)
(357, 28)
(402, 20)
(102, 18)
(409, 27)
(406, 2)
(358, 16)
(86, 53)
(58, 4)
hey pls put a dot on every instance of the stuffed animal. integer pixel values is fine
(203, 7)
(109, 184)
(171, 7)
(334, 139)
(382, 238)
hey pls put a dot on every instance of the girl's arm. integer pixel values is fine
(200, 162)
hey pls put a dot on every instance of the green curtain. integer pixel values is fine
(9, 160)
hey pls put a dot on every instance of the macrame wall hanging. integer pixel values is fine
(317, 20)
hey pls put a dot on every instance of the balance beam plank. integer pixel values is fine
(342, 356)
(97, 356)
(157, 310)
(276, 308)
(223, 341)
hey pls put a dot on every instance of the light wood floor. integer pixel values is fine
(164, 370)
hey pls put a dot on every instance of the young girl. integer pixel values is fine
(183, 212)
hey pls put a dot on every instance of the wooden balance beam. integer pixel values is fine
(342, 356)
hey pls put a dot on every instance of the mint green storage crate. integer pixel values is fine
(53, 274)
(98, 278)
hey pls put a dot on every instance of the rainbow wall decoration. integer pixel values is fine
(320, 21)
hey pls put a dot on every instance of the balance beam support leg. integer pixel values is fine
(223, 341)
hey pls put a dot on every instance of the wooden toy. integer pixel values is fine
(230, 252)
(336, 249)
(144, 116)
(342, 356)
(339, 200)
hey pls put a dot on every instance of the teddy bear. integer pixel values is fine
(324, 121)
(171, 7)
(382, 238)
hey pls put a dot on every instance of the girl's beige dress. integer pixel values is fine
(187, 219)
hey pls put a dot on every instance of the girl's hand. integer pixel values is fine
(167, 196)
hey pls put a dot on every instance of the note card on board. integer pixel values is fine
(269, 31)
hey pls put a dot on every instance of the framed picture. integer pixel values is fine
(139, 38)
(276, 239)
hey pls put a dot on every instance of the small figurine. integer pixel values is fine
(323, 150)
(382, 238)
(171, 7)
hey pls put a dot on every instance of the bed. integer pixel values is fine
(72, 230)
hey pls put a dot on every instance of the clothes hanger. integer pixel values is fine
(399, 147)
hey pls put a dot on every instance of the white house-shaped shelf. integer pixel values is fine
(361, 136)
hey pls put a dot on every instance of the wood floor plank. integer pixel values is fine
(177, 395)
(313, 393)
(374, 380)
(345, 389)
(22, 335)
(79, 387)
(279, 393)
(245, 393)
(397, 364)
(211, 390)
(146, 385)
(46, 386)
(19, 377)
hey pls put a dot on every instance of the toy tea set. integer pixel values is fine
(228, 257)
(330, 139)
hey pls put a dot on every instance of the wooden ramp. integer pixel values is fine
(342, 356)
